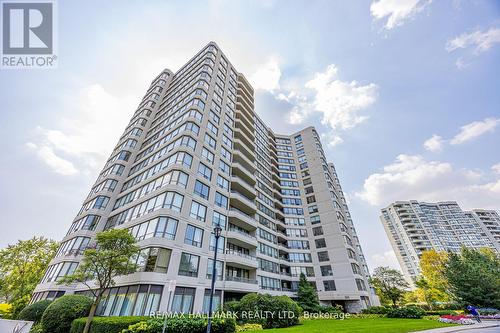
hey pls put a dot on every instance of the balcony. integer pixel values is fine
(240, 171)
(242, 129)
(240, 185)
(233, 283)
(245, 149)
(243, 203)
(242, 219)
(241, 158)
(241, 238)
(241, 260)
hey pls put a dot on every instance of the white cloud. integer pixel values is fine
(267, 76)
(388, 258)
(413, 177)
(475, 129)
(434, 144)
(83, 140)
(496, 168)
(338, 102)
(56, 163)
(481, 41)
(396, 11)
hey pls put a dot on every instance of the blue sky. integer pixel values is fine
(405, 94)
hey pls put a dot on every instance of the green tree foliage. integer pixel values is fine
(100, 265)
(34, 312)
(474, 277)
(389, 284)
(22, 266)
(307, 297)
(59, 315)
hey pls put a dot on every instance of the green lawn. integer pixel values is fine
(372, 325)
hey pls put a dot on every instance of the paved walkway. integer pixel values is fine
(484, 327)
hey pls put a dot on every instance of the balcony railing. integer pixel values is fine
(241, 254)
(240, 279)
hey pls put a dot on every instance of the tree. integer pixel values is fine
(22, 266)
(101, 264)
(432, 268)
(474, 277)
(390, 284)
(307, 297)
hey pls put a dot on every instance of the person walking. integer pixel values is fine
(473, 311)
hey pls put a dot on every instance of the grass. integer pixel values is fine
(372, 325)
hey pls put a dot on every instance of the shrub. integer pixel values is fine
(106, 324)
(59, 315)
(260, 303)
(183, 325)
(376, 310)
(37, 328)
(5, 310)
(34, 311)
(332, 309)
(412, 312)
(248, 327)
(367, 315)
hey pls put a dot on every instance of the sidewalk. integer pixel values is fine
(464, 328)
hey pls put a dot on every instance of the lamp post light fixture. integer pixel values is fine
(217, 233)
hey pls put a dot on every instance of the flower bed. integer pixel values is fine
(460, 319)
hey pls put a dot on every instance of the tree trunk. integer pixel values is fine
(93, 308)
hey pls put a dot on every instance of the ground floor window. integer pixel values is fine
(183, 300)
(216, 300)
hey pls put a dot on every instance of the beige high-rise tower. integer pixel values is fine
(195, 154)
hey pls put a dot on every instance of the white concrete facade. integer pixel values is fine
(414, 227)
(195, 154)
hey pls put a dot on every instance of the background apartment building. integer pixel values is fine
(195, 154)
(413, 227)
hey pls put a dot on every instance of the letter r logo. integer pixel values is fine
(27, 28)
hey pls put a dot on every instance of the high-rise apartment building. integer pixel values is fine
(195, 154)
(414, 227)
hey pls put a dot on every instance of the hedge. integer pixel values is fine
(106, 324)
(376, 310)
(183, 324)
(34, 311)
(411, 312)
(59, 315)
(285, 312)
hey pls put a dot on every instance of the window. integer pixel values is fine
(166, 227)
(320, 243)
(219, 271)
(221, 200)
(173, 201)
(360, 284)
(326, 270)
(207, 155)
(219, 219)
(216, 301)
(224, 167)
(323, 256)
(210, 141)
(311, 199)
(329, 285)
(201, 189)
(317, 231)
(312, 209)
(315, 219)
(194, 236)
(222, 182)
(152, 259)
(227, 141)
(183, 300)
(220, 243)
(100, 202)
(205, 171)
(189, 265)
(212, 128)
(309, 190)
(198, 211)
(225, 153)
(214, 117)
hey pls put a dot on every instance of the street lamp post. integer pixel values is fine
(217, 233)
